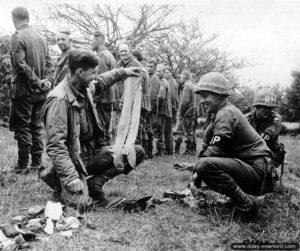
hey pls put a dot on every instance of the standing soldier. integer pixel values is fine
(142, 138)
(267, 122)
(104, 101)
(74, 132)
(64, 43)
(163, 110)
(172, 107)
(235, 160)
(186, 116)
(153, 95)
(29, 85)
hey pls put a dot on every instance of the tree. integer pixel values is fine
(290, 107)
(5, 76)
(130, 23)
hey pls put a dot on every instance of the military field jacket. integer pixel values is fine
(230, 135)
(61, 116)
(61, 67)
(30, 62)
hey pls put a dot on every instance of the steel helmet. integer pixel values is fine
(213, 82)
(265, 97)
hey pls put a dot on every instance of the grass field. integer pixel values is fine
(167, 227)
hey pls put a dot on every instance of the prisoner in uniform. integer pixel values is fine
(63, 39)
(106, 100)
(31, 73)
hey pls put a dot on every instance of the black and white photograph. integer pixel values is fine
(149, 125)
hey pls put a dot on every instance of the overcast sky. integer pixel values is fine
(265, 32)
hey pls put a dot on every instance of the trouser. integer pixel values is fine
(174, 115)
(25, 120)
(104, 110)
(101, 166)
(142, 138)
(149, 132)
(160, 132)
(185, 129)
(224, 174)
(168, 135)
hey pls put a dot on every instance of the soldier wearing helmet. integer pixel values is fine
(234, 157)
(267, 122)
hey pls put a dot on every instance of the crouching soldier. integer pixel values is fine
(235, 160)
(74, 133)
(267, 123)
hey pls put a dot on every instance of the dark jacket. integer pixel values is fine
(154, 91)
(187, 101)
(61, 116)
(61, 67)
(30, 60)
(107, 62)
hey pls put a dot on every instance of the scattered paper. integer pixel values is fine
(53, 210)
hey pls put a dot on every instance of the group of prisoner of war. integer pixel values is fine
(76, 99)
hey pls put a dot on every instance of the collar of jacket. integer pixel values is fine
(70, 93)
(101, 48)
(23, 26)
(127, 61)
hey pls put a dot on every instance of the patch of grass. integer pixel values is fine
(169, 226)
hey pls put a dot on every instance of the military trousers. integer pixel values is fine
(160, 122)
(185, 130)
(142, 137)
(223, 175)
(104, 111)
(149, 133)
(26, 121)
(168, 136)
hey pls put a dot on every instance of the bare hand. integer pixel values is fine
(75, 186)
(133, 71)
(46, 85)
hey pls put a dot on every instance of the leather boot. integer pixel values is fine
(177, 147)
(36, 161)
(96, 183)
(23, 159)
(244, 204)
(150, 149)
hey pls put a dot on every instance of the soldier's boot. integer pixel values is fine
(36, 161)
(244, 204)
(159, 152)
(23, 160)
(177, 147)
(188, 147)
(96, 183)
(150, 149)
(145, 146)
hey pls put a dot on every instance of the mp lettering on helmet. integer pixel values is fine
(270, 100)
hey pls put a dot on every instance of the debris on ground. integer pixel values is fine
(184, 166)
(130, 205)
(35, 221)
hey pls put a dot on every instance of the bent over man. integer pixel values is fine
(235, 160)
(29, 85)
(74, 132)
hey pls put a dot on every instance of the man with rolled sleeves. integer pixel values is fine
(63, 39)
(267, 122)
(31, 71)
(74, 134)
(234, 160)
(106, 100)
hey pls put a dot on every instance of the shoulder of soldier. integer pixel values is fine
(58, 91)
(228, 111)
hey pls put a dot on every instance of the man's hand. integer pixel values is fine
(46, 85)
(133, 71)
(75, 186)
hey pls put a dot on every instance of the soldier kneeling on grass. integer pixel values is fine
(235, 160)
(75, 136)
